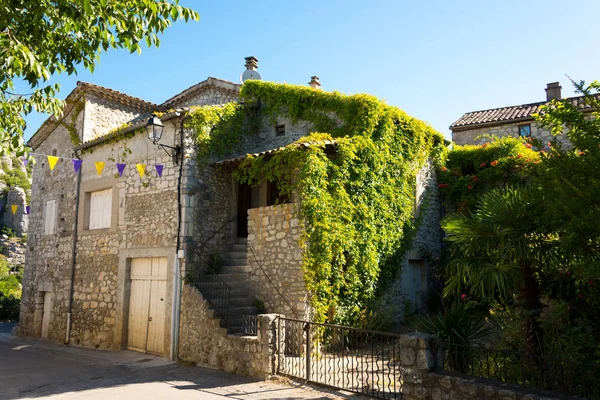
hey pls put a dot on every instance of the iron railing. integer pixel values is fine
(569, 377)
(358, 360)
(242, 324)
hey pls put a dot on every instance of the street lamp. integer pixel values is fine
(155, 128)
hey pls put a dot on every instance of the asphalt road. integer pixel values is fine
(34, 369)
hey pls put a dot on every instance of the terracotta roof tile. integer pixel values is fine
(508, 114)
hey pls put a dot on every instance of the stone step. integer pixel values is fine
(241, 247)
(226, 262)
(242, 240)
(235, 291)
(234, 254)
(231, 279)
(243, 310)
(242, 301)
(233, 269)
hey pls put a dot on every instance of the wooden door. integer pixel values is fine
(46, 314)
(146, 331)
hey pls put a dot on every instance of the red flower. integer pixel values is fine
(581, 153)
(528, 145)
(469, 187)
(528, 160)
(580, 296)
(443, 185)
(475, 178)
(494, 163)
(484, 145)
(591, 282)
(463, 296)
(444, 169)
(483, 164)
(519, 155)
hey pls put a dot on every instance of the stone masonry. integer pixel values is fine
(274, 239)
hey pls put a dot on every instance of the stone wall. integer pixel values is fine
(473, 136)
(204, 341)
(274, 237)
(420, 382)
(426, 245)
(103, 115)
(18, 221)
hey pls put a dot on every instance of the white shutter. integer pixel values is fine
(49, 216)
(100, 209)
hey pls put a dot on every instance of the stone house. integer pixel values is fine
(109, 249)
(516, 121)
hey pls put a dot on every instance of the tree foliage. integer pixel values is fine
(45, 37)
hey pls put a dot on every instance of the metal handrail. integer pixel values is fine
(271, 282)
(230, 220)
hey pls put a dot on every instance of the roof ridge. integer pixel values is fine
(110, 91)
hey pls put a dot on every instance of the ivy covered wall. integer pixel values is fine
(354, 179)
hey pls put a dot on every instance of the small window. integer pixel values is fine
(280, 130)
(525, 130)
(54, 152)
(100, 209)
(49, 217)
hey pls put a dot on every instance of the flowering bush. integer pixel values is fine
(472, 170)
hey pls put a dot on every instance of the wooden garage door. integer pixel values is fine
(147, 301)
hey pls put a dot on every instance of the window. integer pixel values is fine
(100, 209)
(525, 130)
(49, 217)
(280, 130)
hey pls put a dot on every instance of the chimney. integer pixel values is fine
(250, 72)
(553, 91)
(314, 82)
(251, 63)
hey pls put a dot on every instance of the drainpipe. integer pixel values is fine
(176, 309)
(73, 254)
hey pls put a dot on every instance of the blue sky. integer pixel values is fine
(434, 59)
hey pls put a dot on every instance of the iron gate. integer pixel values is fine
(358, 360)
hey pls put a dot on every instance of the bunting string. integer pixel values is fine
(77, 164)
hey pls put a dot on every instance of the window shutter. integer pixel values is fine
(49, 217)
(100, 209)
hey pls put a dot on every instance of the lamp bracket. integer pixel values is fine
(174, 153)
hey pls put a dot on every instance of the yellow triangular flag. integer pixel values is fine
(141, 169)
(14, 208)
(99, 167)
(52, 160)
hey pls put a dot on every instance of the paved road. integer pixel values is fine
(33, 369)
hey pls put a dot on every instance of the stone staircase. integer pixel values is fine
(234, 272)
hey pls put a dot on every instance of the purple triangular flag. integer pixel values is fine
(27, 208)
(76, 164)
(121, 168)
(25, 160)
(159, 169)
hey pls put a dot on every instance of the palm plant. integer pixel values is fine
(497, 252)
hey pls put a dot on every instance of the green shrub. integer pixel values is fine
(9, 307)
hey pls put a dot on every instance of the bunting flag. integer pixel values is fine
(52, 160)
(141, 169)
(159, 169)
(14, 208)
(120, 168)
(76, 164)
(27, 209)
(25, 160)
(99, 167)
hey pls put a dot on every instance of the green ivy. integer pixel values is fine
(71, 127)
(355, 182)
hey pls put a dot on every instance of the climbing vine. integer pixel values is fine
(71, 127)
(354, 182)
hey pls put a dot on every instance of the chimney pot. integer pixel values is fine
(553, 91)
(314, 82)
(251, 63)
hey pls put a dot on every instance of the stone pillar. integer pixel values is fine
(417, 357)
(268, 339)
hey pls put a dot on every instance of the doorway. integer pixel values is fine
(146, 328)
(244, 204)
